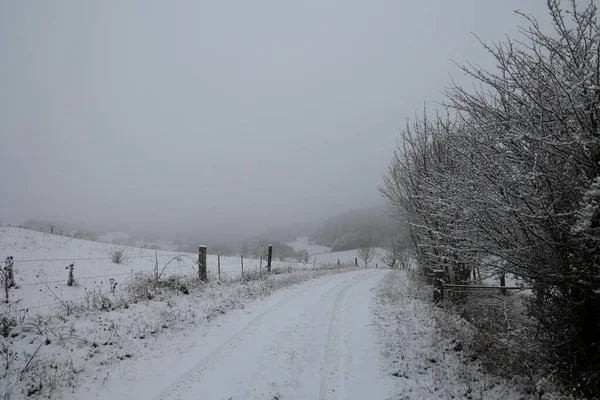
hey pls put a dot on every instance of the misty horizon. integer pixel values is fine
(211, 117)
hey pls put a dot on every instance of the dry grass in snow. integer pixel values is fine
(51, 355)
(428, 365)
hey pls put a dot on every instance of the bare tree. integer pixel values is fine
(302, 256)
(514, 174)
(391, 254)
(395, 250)
(366, 254)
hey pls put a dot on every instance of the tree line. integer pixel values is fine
(509, 175)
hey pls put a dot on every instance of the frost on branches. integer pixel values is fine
(512, 174)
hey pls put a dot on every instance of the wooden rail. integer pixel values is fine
(485, 287)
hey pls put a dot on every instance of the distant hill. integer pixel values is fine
(352, 229)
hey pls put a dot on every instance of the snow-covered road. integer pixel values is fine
(315, 343)
(312, 341)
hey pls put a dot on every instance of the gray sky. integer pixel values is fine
(224, 115)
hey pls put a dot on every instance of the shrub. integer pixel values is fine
(118, 255)
(512, 172)
(302, 256)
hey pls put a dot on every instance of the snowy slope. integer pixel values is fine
(125, 238)
(324, 255)
(41, 260)
(346, 256)
(112, 237)
(302, 243)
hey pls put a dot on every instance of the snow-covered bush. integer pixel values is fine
(366, 253)
(118, 255)
(302, 256)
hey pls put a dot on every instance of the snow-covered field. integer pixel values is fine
(324, 255)
(77, 342)
(41, 262)
(125, 238)
(353, 335)
(347, 256)
(302, 243)
(111, 237)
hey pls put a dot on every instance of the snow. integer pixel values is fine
(111, 237)
(347, 256)
(302, 243)
(309, 341)
(425, 364)
(61, 352)
(324, 255)
(41, 260)
(126, 238)
(161, 244)
(306, 334)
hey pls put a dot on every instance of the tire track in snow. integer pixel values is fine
(176, 389)
(333, 374)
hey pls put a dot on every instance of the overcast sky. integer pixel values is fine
(222, 115)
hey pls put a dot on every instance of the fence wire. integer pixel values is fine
(122, 289)
(91, 258)
(185, 261)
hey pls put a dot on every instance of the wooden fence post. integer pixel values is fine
(269, 257)
(9, 269)
(314, 262)
(219, 265)
(438, 286)
(155, 266)
(71, 280)
(202, 263)
(8, 276)
(503, 284)
(242, 260)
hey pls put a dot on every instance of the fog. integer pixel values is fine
(228, 117)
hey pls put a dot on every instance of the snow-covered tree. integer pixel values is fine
(513, 173)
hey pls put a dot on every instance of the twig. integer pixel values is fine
(173, 259)
(28, 362)
(28, 324)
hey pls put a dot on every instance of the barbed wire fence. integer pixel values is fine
(155, 272)
(186, 265)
